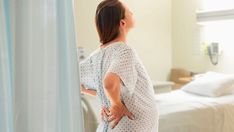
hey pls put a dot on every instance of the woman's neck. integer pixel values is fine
(121, 38)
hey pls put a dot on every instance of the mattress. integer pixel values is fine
(183, 112)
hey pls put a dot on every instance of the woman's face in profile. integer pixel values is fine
(128, 18)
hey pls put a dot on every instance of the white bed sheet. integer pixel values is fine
(183, 112)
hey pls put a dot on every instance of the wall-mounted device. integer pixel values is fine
(80, 53)
(213, 52)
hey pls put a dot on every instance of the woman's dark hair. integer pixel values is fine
(108, 16)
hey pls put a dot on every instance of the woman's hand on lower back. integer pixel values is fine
(105, 113)
(117, 112)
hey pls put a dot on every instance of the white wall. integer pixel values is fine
(187, 39)
(185, 36)
(85, 24)
(151, 36)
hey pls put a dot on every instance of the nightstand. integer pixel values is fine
(185, 80)
(162, 86)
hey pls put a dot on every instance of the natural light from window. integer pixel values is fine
(217, 4)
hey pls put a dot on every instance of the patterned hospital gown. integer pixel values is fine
(136, 87)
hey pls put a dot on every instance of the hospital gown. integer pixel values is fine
(136, 88)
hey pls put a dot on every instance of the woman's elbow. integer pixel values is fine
(111, 82)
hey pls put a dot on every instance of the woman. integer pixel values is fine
(117, 75)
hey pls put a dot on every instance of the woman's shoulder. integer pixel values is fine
(126, 49)
(123, 48)
(125, 52)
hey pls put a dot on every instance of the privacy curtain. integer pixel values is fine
(39, 79)
(6, 70)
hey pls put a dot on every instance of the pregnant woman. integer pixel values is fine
(116, 75)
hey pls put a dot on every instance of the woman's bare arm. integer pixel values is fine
(111, 85)
(88, 91)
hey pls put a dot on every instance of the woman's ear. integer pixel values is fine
(122, 23)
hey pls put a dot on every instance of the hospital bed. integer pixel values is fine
(180, 111)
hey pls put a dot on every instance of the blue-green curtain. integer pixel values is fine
(39, 75)
(6, 70)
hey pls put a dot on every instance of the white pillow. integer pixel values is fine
(211, 84)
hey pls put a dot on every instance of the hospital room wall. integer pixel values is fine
(151, 36)
(187, 39)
